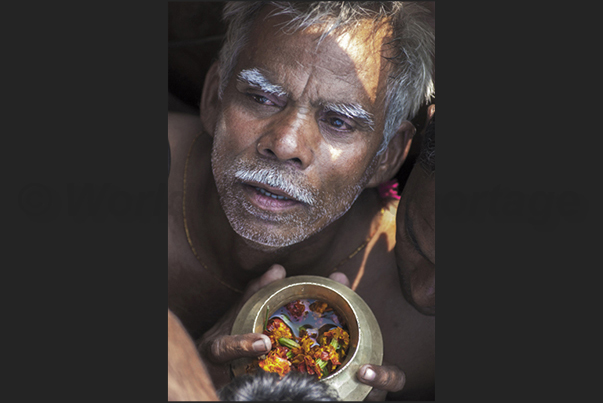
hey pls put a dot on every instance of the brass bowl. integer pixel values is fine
(366, 343)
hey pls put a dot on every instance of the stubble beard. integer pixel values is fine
(293, 227)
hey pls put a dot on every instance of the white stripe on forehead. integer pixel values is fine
(254, 77)
(353, 111)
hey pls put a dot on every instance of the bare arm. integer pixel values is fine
(187, 377)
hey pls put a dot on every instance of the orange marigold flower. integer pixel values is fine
(312, 367)
(305, 346)
(305, 353)
(327, 353)
(281, 351)
(318, 307)
(340, 336)
(275, 363)
(276, 329)
(301, 368)
(296, 308)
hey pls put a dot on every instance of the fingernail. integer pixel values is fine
(260, 346)
(369, 374)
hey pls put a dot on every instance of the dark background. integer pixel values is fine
(195, 34)
(85, 302)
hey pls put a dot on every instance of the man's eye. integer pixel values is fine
(260, 99)
(338, 124)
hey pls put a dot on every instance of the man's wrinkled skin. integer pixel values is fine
(335, 71)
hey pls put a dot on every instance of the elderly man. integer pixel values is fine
(303, 117)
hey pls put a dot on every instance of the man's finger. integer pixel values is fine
(274, 273)
(389, 378)
(340, 278)
(227, 348)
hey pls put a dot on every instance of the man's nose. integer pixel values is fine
(290, 139)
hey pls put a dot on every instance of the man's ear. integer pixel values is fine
(430, 113)
(210, 102)
(394, 155)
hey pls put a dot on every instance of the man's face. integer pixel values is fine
(298, 130)
(416, 233)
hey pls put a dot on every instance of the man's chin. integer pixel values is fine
(267, 235)
(261, 247)
(267, 245)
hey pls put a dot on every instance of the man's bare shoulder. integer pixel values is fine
(182, 128)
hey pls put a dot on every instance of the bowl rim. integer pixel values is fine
(246, 318)
(351, 320)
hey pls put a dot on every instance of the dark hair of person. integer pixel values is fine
(268, 386)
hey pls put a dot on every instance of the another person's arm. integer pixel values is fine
(187, 376)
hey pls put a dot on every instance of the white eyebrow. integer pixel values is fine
(257, 79)
(352, 111)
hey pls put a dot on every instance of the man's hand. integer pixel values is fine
(383, 378)
(218, 347)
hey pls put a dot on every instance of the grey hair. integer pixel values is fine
(410, 83)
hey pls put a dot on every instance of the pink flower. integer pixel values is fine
(389, 189)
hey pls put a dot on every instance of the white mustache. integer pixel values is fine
(276, 179)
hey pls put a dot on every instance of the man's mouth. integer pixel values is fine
(269, 194)
(269, 198)
(274, 185)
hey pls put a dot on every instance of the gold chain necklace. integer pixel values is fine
(214, 275)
